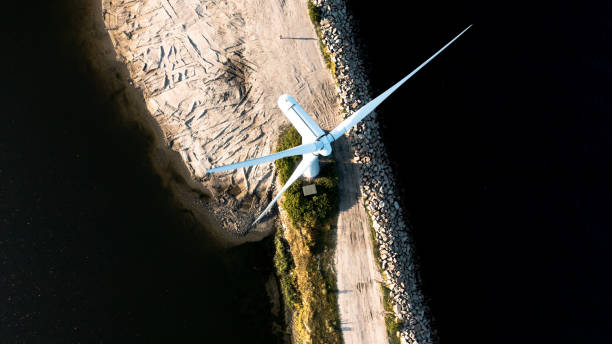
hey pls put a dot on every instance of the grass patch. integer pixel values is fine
(373, 237)
(392, 323)
(289, 138)
(304, 252)
(315, 17)
(314, 12)
(283, 262)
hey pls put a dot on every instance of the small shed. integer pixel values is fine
(309, 189)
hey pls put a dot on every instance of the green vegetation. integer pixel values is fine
(314, 12)
(373, 237)
(392, 323)
(304, 252)
(315, 16)
(284, 265)
(307, 211)
(289, 139)
(312, 211)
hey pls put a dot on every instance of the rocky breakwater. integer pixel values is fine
(377, 185)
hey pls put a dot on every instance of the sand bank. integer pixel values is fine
(116, 82)
(210, 74)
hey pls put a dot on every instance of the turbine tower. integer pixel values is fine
(315, 142)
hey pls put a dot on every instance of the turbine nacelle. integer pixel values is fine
(315, 142)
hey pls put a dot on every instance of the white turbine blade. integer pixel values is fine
(299, 150)
(299, 170)
(355, 118)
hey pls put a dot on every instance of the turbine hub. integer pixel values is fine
(326, 150)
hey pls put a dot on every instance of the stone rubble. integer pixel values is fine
(377, 184)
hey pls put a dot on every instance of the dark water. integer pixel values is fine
(503, 148)
(92, 246)
(505, 161)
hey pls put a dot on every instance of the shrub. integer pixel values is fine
(306, 211)
(310, 211)
(288, 139)
(314, 12)
(284, 263)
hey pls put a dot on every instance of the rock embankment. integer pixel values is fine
(378, 187)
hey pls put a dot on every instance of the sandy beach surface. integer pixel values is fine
(210, 74)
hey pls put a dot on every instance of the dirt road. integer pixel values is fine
(360, 298)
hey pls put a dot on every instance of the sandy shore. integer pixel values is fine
(210, 74)
(129, 101)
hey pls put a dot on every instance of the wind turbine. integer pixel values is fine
(316, 142)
